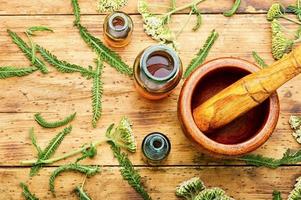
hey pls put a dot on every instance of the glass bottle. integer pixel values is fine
(155, 148)
(157, 71)
(118, 29)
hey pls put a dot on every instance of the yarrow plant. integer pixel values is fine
(281, 44)
(194, 189)
(110, 5)
(295, 123)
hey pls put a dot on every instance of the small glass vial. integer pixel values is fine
(118, 29)
(155, 148)
(157, 71)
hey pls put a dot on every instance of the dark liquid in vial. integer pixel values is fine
(160, 65)
(118, 22)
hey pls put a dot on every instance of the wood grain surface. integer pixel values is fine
(56, 95)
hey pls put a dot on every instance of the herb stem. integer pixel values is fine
(184, 25)
(66, 155)
(292, 20)
(195, 2)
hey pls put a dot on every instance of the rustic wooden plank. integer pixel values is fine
(57, 95)
(253, 183)
(15, 7)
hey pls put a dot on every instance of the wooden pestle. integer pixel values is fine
(246, 93)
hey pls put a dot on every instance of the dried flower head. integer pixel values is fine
(295, 122)
(212, 194)
(276, 27)
(276, 11)
(297, 135)
(281, 45)
(122, 135)
(189, 189)
(295, 194)
(110, 5)
(156, 25)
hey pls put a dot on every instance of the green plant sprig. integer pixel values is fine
(106, 54)
(49, 150)
(233, 10)
(128, 172)
(259, 60)
(277, 195)
(64, 66)
(199, 18)
(8, 71)
(122, 135)
(97, 91)
(41, 121)
(28, 52)
(277, 11)
(33, 29)
(289, 157)
(202, 54)
(88, 170)
(26, 193)
(82, 195)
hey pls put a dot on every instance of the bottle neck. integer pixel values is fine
(119, 25)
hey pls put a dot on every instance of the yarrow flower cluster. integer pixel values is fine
(156, 26)
(295, 123)
(194, 189)
(110, 5)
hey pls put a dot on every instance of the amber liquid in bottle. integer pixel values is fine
(118, 28)
(159, 65)
(157, 71)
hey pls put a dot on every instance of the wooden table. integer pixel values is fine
(56, 95)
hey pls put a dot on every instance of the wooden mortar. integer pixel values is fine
(240, 136)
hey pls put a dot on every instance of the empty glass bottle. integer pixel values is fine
(118, 28)
(155, 148)
(157, 71)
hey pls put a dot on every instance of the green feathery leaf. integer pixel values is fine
(40, 120)
(202, 54)
(199, 17)
(259, 160)
(289, 157)
(111, 5)
(49, 150)
(233, 10)
(128, 172)
(27, 51)
(90, 152)
(123, 135)
(96, 44)
(34, 29)
(64, 66)
(88, 170)
(26, 193)
(190, 189)
(295, 194)
(97, 91)
(76, 11)
(277, 195)
(295, 9)
(259, 60)
(34, 141)
(82, 195)
(7, 71)
(104, 52)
